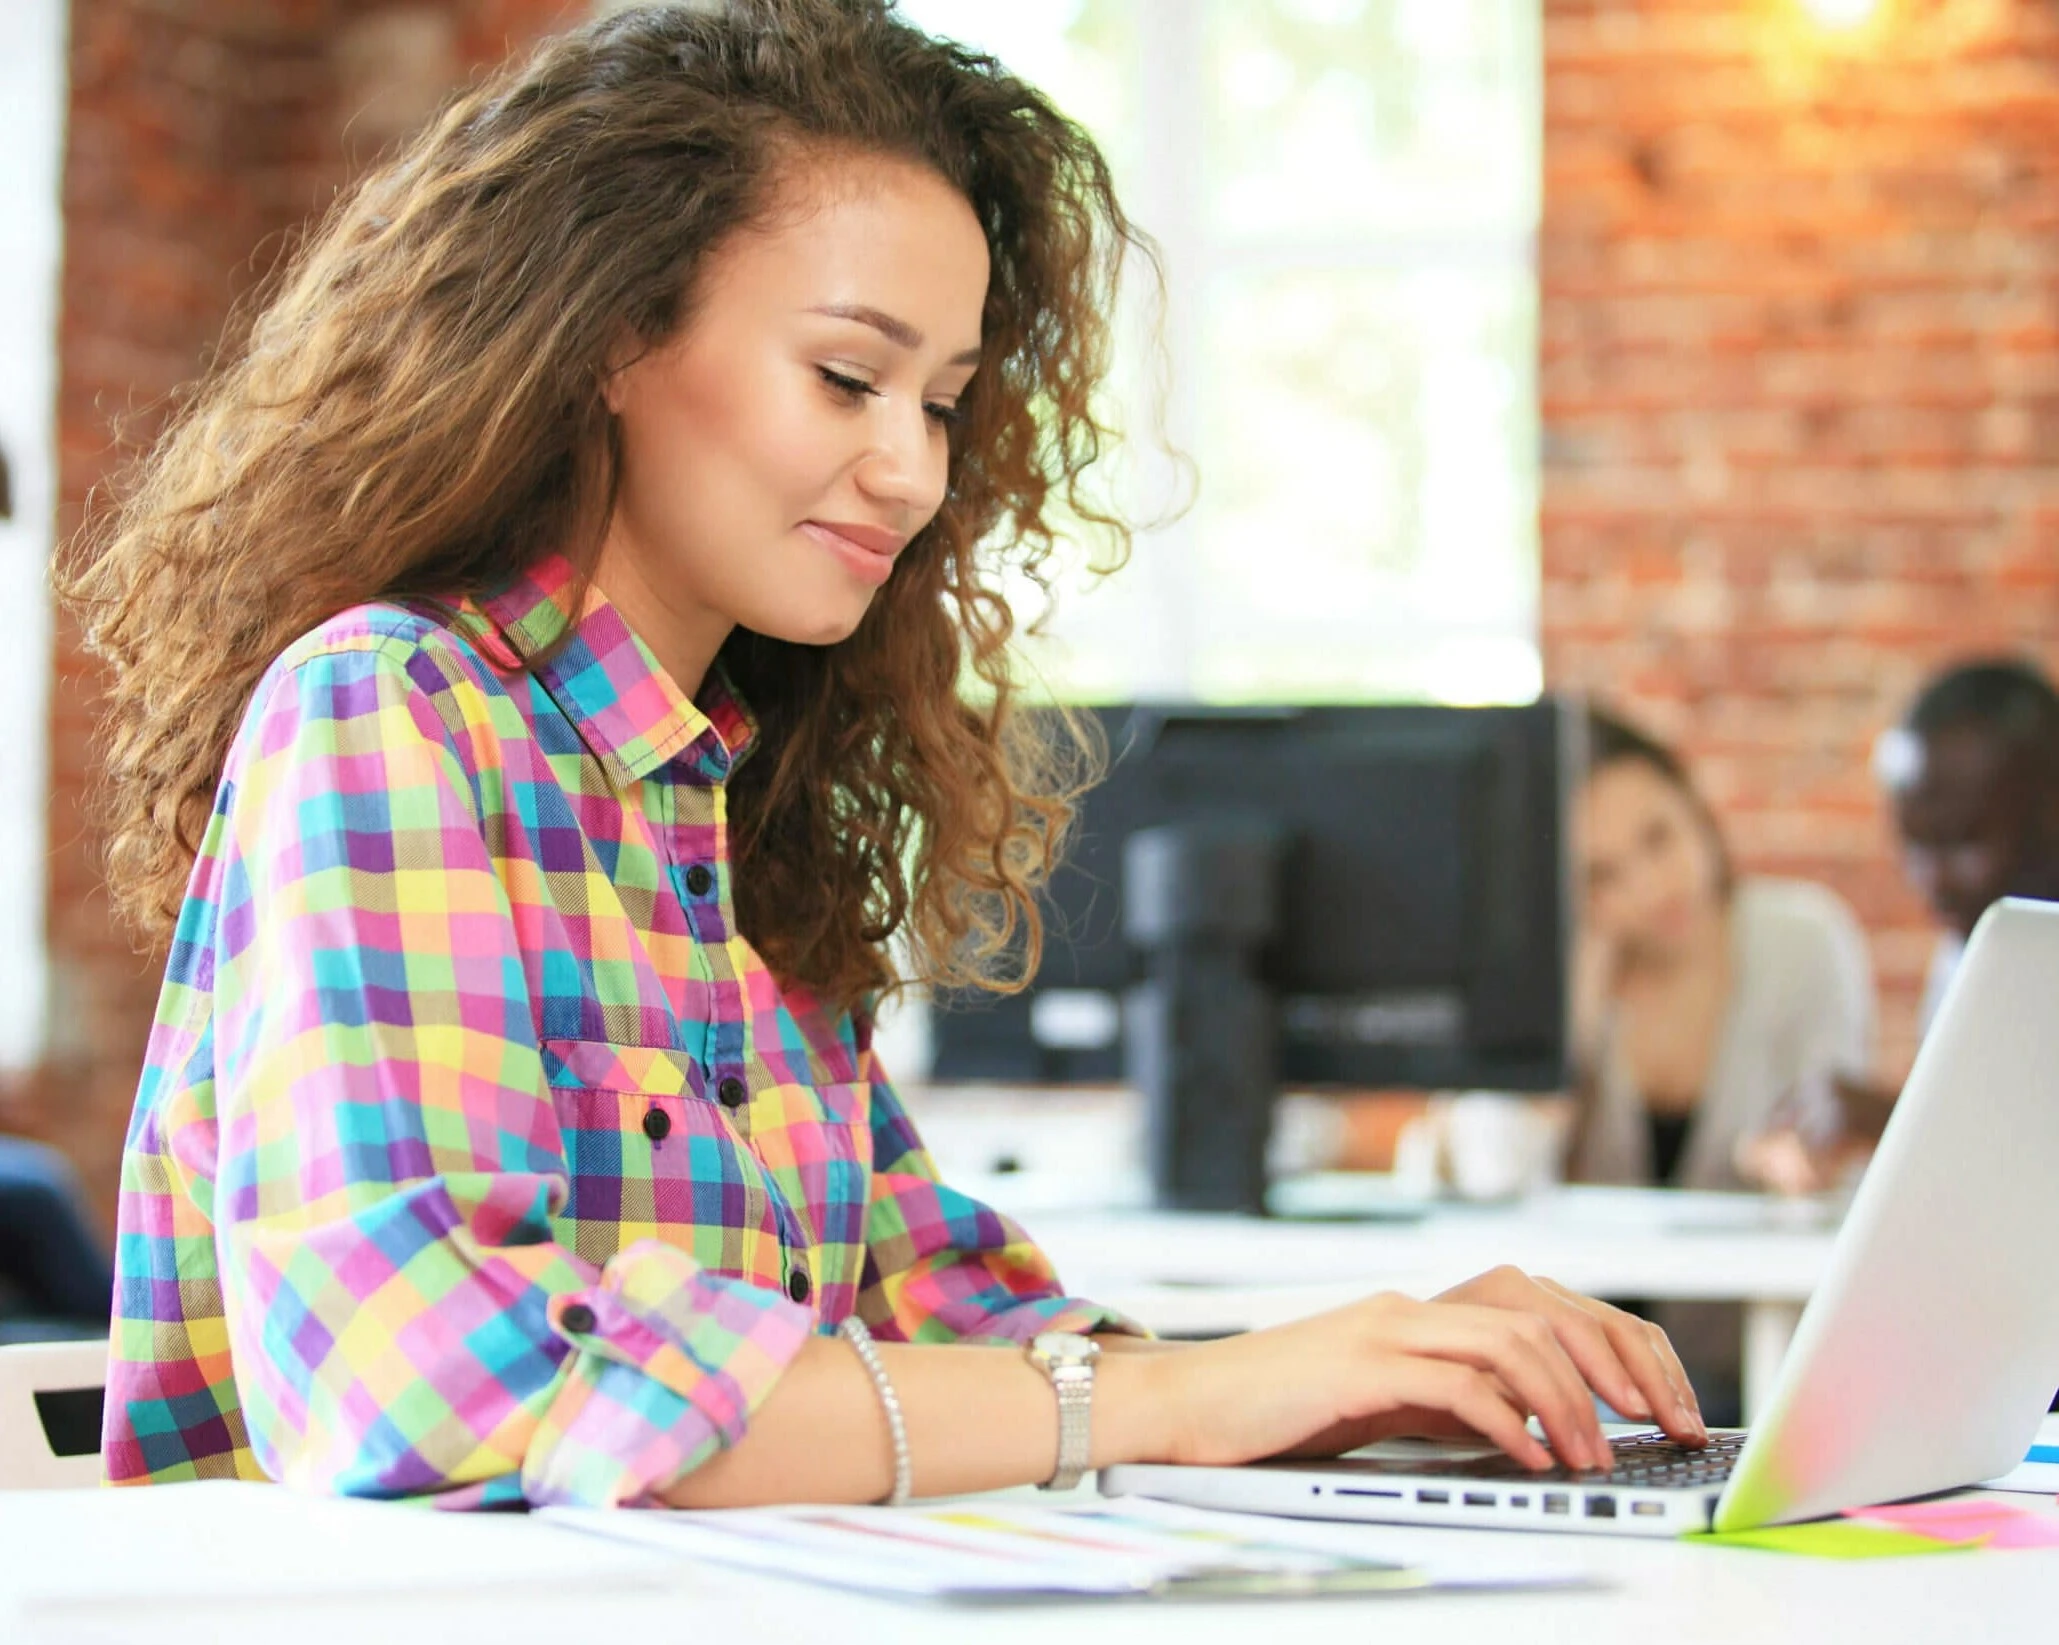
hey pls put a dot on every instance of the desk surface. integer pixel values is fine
(1185, 1270)
(178, 1563)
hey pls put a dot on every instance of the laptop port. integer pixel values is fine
(1519, 1502)
(1601, 1507)
(1648, 1510)
(1479, 1499)
(1433, 1496)
(1557, 1502)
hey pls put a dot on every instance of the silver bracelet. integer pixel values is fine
(853, 1331)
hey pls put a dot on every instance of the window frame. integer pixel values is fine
(34, 97)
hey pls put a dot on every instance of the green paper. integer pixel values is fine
(1833, 1539)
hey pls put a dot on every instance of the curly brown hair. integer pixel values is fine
(414, 411)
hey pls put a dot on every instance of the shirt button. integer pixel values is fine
(732, 1092)
(578, 1319)
(657, 1124)
(700, 879)
(797, 1285)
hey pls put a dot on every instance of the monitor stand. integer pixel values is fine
(1200, 1031)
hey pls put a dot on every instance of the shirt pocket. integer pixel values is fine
(650, 1156)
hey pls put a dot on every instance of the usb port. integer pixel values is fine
(1601, 1507)
(1479, 1499)
(1433, 1496)
(1557, 1502)
(1648, 1510)
(1519, 1502)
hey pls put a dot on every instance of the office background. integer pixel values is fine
(1703, 353)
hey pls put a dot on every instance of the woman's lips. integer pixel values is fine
(867, 551)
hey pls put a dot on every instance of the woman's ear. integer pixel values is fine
(614, 388)
(622, 357)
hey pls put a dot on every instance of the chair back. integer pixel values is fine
(50, 1402)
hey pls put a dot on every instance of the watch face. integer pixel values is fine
(1065, 1347)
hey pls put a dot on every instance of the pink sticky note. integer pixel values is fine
(1966, 1519)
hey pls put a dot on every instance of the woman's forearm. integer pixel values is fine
(978, 1419)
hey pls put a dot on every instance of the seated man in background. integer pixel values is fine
(1972, 774)
(55, 1280)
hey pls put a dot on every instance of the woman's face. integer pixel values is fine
(1651, 872)
(781, 449)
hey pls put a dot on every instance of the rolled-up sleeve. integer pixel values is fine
(401, 1319)
(942, 1267)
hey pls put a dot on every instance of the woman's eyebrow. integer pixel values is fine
(894, 329)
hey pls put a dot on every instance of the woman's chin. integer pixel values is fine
(822, 622)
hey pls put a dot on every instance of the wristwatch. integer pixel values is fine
(1068, 1360)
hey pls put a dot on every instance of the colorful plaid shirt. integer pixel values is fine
(476, 1153)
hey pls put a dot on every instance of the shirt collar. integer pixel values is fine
(628, 710)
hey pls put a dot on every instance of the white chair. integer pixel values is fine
(40, 1439)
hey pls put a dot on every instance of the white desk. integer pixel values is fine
(180, 1564)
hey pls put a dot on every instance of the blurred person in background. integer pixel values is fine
(1703, 1001)
(1972, 776)
(1972, 773)
(1707, 1006)
(54, 1278)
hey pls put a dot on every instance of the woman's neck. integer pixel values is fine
(682, 634)
(1706, 948)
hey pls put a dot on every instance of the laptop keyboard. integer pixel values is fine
(1651, 1460)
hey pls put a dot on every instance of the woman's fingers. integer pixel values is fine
(1599, 1358)
(1631, 1352)
(1630, 1363)
(1468, 1395)
(1522, 1350)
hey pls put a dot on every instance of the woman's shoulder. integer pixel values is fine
(366, 659)
(393, 632)
(1785, 923)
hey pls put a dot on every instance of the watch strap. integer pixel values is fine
(1072, 1380)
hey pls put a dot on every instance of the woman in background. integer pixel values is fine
(1709, 1008)
(1703, 1001)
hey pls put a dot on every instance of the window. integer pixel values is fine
(1346, 193)
(32, 114)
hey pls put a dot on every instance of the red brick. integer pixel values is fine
(1797, 311)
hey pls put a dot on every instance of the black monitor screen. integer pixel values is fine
(1421, 897)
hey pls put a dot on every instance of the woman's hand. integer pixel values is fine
(1816, 1136)
(1478, 1361)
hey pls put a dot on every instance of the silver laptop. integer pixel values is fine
(1924, 1361)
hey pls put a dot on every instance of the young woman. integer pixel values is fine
(538, 661)
(1709, 1007)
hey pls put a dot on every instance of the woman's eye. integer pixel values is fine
(853, 389)
(948, 416)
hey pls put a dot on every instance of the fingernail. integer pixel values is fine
(1638, 1406)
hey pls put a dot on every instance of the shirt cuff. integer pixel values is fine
(668, 1362)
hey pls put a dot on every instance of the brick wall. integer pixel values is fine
(1801, 393)
(202, 132)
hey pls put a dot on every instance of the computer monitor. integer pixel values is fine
(1418, 928)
